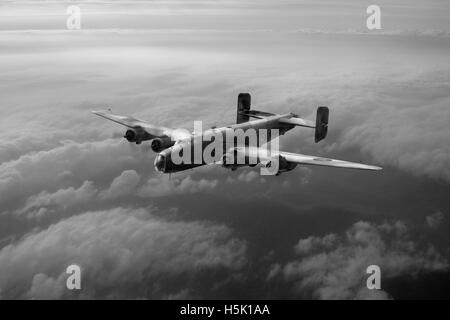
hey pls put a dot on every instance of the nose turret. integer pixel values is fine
(160, 163)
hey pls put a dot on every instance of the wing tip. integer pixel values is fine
(101, 112)
(373, 168)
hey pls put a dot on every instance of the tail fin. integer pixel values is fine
(321, 123)
(243, 105)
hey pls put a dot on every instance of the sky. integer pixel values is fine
(73, 191)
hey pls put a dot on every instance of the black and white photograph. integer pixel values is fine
(228, 150)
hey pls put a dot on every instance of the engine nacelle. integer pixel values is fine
(230, 161)
(136, 136)
(283, 165)
(159, 144)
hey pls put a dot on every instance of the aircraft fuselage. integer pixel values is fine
(242, 134)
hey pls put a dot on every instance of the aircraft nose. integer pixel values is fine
(160, 163)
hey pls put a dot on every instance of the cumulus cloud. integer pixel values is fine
(122, 253)
(45, 202)
(31, 173)
(45, 287)
(124, 184)
(435, 220)
(334, 266)
(164, 186)
(306, 245)
(248, 176)
(403, 125)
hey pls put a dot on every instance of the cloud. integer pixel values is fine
(45, 287)
(164, 186)
(122, 185)
(393, 117)
(312, 17)
(435, 220)
(403, 126)
(411, 136)
(248, 176)
(122, 253)
(306, 245)
(45, 202)
(393, 114)
(45, 170)
(365, 32)
(334, 266)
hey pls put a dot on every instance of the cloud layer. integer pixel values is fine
(73, 191)
(122, 252)
(334, 266)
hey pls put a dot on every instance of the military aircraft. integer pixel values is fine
(169, 142)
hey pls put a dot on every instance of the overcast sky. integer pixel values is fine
(73, 191)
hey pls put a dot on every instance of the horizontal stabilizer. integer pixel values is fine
(257, 114)
(298, 122)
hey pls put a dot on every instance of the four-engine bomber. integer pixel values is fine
(248, 142)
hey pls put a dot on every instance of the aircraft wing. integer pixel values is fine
(123, 120)
(327, 162)
(133, 123)
(296, 158)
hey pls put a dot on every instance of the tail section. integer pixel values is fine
(321, 123)
(243, 106)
